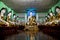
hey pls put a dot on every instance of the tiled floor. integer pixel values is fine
(22, 36)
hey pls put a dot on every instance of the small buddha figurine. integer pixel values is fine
(17, 21)
(2, 20)
(14, 17)
(51, 19)
(9, 19)
(31, 19)
(47, 20)
(58, 12)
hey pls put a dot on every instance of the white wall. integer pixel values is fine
(40, 16)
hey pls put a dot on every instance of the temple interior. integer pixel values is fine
(29, 19)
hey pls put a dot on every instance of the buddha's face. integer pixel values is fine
(14, 16)
(9, 14)
(46, 19)
(57, 10)
(51, 14)
(3, 11)
(48, 16)
(30, 13)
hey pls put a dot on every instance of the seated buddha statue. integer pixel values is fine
(31, 27)
(14, 17)
(32, 24)
(32, 21)
(58, 14)
(46, 20)
(11, 23)
(51, 19)
(17, 21)
(2, 19)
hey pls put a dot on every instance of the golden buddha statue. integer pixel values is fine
(58, 13)
(2, 20)
(57, 18)
(32, 28)
(32, 21)
(46, 21)
(52, 17)
(14, 17)
(17, 21)
(51, 20)
(9, 19)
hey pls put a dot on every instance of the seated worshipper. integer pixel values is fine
(58, 14)
(2, 19)
(11, 23)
